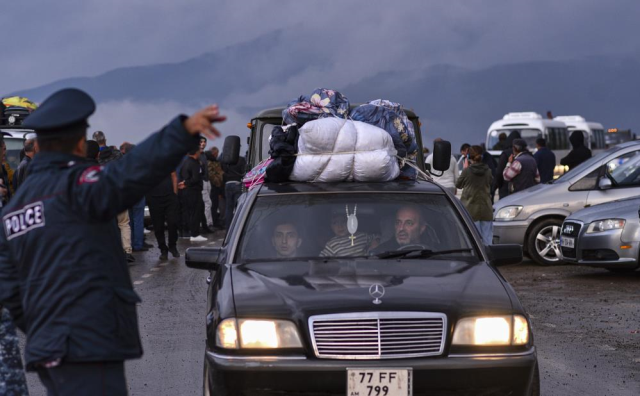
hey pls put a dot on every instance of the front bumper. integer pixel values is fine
(589, 245)
(511, 374)
(509, 231)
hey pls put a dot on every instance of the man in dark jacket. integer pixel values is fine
(500, 185)
(30, 149)
(191, 185)
(521, 171)
(163, 208)
(580, 152)
(73, 296)
(545, 159)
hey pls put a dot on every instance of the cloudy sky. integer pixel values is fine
(47, 41)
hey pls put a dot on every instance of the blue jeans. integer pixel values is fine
(136, 221)
(485, 228)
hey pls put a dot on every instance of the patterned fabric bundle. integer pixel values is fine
(391, 117)
(321, 103)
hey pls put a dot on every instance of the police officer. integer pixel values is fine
(63, 274)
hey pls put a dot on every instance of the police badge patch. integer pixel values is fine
(90, 175)
(24, 220)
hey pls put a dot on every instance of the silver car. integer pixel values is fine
(606, 236)
(533, 217)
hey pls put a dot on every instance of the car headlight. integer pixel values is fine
(508, 213)
(605, 225)
(257, 334)
(492, 331)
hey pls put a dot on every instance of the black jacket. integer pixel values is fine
(191, 174)
(21, 172)
(502, 163)
(580, 152)
(63, 273)
(546, 161)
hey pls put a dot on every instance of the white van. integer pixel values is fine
(594, 133)
(531, 126)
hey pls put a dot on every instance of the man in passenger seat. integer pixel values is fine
(343, 244)
(286, 240)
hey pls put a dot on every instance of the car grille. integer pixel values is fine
(378, 335)
(570, 229)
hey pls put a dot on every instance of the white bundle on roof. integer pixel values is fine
(334, 150)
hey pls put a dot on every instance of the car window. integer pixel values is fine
(585, 165)
(266, 135)
(282, 227)
(625, 169)
(14, 146)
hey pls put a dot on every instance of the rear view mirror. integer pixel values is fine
(230, 150)
(203, 258)
(441, 155)
(505, 254)
(605, 183)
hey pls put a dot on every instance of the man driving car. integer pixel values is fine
(285, 240)
(409, 227)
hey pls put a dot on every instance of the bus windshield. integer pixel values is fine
(528, 134)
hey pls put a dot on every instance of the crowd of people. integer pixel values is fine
(189, 203)
(516, 169)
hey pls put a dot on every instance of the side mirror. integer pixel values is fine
(605, 183)
(441, 155)
(203, 258)
(505, 254)
(230, 150)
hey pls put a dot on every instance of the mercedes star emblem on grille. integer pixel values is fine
(376, 291)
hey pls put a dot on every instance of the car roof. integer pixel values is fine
(276, 112)
(350, 187)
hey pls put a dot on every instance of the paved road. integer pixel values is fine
(586, 323)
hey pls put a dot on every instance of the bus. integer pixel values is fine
(594, 133)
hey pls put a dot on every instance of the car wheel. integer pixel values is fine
(543, 244)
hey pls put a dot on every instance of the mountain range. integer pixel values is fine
(454, 102)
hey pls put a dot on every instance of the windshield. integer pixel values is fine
(585, 165)
(495, 143)
(287, 227)
(14, 146)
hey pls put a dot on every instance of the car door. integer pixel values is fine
(624, 173)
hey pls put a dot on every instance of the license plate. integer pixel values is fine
(567, 242)
(379, 382)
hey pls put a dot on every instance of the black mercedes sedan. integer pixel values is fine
(361, 289)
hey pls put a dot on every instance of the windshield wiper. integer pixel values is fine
(418, 253)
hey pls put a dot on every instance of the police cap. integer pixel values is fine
(65, 108)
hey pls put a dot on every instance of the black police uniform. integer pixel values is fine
(63, 273)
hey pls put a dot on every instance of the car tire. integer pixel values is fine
(543, 243)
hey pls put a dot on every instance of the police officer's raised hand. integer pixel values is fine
(203, 120)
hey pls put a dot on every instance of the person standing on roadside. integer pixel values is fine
(475, 182)
(545, 159)
(450, 176)
(521, 171)
(205, 217)
(191, 186)
(216, 175)
(5, 191)
(106, 155)
(579, 153)
(30, 150)
(136, 214)
(73, 295)
(163, 208)
(499, 183)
